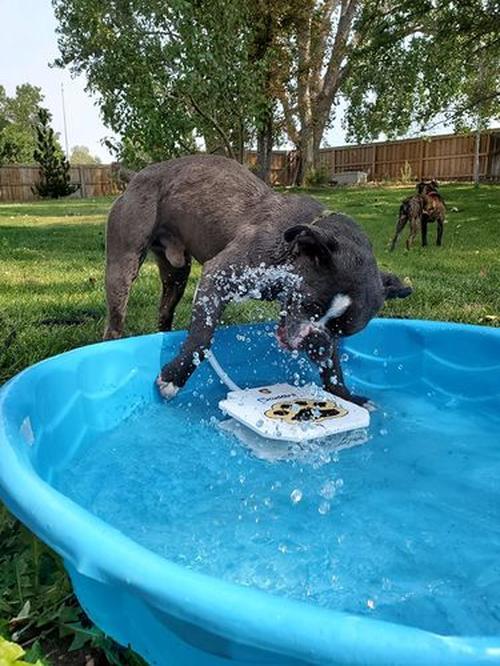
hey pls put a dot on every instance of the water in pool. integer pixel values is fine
(405, 527)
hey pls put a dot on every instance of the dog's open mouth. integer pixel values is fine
(282, 337)
(295, 341)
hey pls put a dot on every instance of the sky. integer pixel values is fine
(27, 45)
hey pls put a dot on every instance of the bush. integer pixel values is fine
(317, 177)
(54, 167)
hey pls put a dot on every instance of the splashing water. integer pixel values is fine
(405, 528)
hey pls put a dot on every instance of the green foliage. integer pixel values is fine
(318, 176)
(35, 594)
(166, 73)
(54, 167)
(170, 74)
(37, 606)
(17, 116)
(81, 155)
(418, 63)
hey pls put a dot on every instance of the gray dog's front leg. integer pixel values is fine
(333, 378)
(207, 309)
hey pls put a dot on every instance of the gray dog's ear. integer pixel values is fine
(312, 242)
(394, 287)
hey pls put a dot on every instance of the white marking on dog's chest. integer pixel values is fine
(338, 306)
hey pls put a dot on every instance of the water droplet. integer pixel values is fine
(383, 432)
(324, 507)
(296, 495)
(328, 490)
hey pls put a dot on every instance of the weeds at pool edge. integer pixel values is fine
(38, 609)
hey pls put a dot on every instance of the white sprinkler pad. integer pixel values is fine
(293, 413)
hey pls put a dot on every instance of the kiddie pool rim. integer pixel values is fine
(244, 615)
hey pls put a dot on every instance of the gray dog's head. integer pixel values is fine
(341, 287)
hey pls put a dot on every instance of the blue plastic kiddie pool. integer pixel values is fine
(192, 544)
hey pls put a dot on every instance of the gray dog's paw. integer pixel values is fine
(168, 390)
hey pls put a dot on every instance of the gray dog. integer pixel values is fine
(253, 243)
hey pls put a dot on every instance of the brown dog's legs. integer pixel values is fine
(399, 228)
(413, 232)
(424, 231)
(440, 227)
(174, 281)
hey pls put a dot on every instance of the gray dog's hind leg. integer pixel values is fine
(174, 281)
(128, 236)
(119, 277)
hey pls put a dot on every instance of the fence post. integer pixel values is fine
(487, 168)
(82, 182)
(477, 149)
(421, 163)
(374, 160)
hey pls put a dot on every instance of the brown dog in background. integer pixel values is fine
(427, 205)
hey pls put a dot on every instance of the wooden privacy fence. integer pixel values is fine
(17, 182)
(445, 157)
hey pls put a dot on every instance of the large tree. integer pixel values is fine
(236, 72)
(398, 63)
(167, 73)
(436, 61)
(17, 115)
(82, 155)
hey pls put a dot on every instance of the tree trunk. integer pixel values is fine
(265, 137)
(308, 109)
(317, 137)
(477, 148)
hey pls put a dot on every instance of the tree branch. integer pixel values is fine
(338, 50)
(214, 124)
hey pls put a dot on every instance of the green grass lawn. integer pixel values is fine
(51, 269)
(52, 299)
